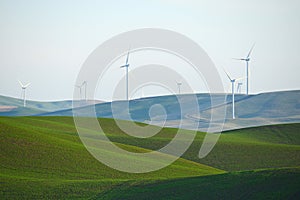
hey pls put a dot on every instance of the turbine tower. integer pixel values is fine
(23, 95)
(126, 66)
(247, 59)
(79, 86)
(232, 91)
(85, 88)
(143, 95)
(179, 86)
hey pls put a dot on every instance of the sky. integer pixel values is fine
(46, 42)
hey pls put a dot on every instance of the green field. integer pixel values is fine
(43, 157)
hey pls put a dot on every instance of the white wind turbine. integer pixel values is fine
(179, 86)
(239, 87)
(80, 89)
(126, 66)
(247, 59)
(143, 94)
(23, 95)
(85, 88)
(232, 91)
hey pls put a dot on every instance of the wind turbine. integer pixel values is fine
(239, 87)
(85, 87)
(126, 66)
(232, 91)
(247, 59)
(143, 95)
(23, 95)
(80, 89)
(178, 85)
(79, 86)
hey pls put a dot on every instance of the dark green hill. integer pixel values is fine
(266, 184)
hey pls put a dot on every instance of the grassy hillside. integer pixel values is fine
(28, 143)
(245, 149)
(266, 184)
(43, 157)
(40, 156)
(254, 148)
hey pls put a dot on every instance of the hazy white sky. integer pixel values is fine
(46, 42)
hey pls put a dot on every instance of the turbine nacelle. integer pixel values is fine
(178, 83)
(243, 59)
(24, 86)
(232, 80)
(124, 66)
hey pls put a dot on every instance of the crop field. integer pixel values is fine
(43, 157)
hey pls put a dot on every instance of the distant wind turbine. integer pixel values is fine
(232, 91)
(23, 95)
(85, 88)
(179, 86)
(247, 59)
(80, 89)
(126, 66)
(143, 95)
(79, 86)
(239, 87)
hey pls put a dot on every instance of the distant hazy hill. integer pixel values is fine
(14, 107)
(252, 110)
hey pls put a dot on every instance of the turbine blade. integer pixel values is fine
(178, 82)
(250, 50)
(27, 85)
(227, 75)
(127, 56)
(238, 58)
(21, 83)
(123, 66)
(240, 78)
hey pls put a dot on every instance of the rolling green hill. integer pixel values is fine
(245, 149)
(43, 157)
(265, 184)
